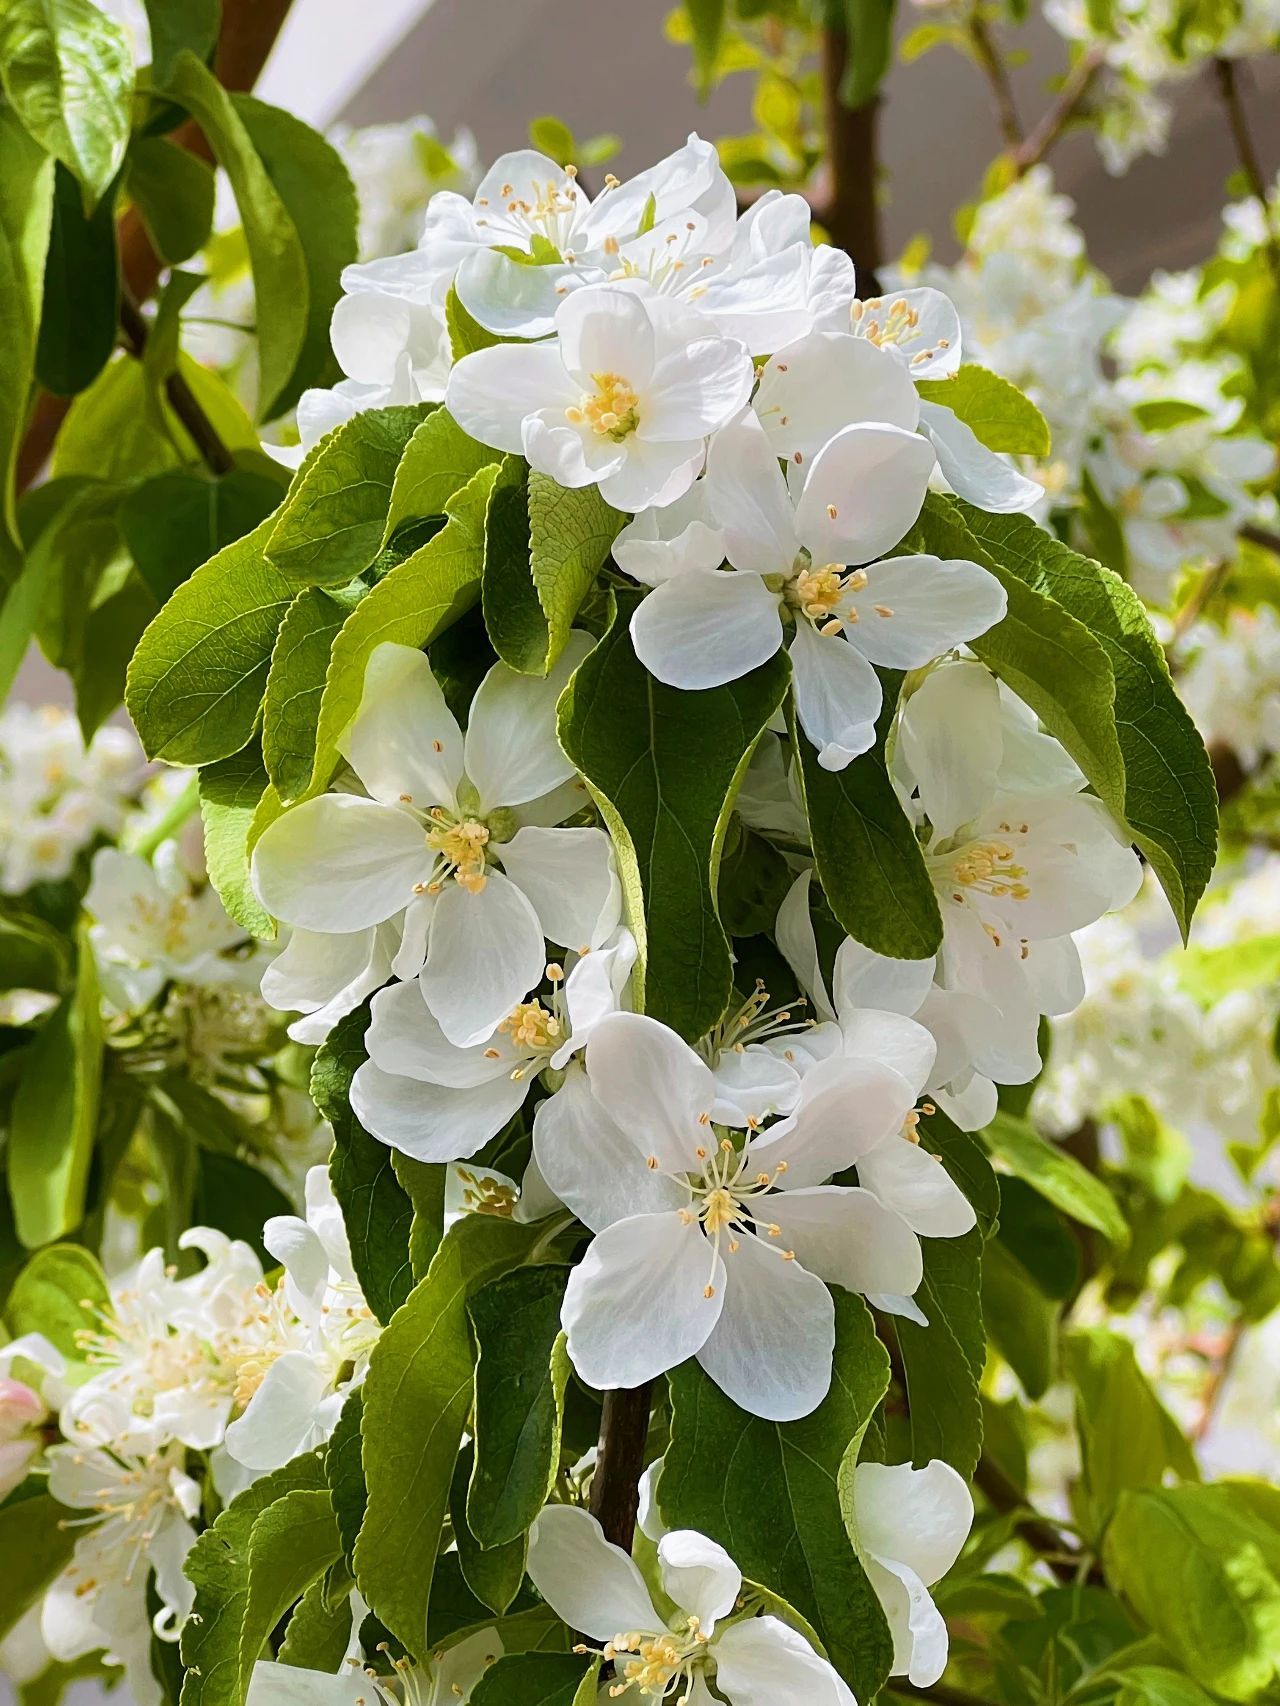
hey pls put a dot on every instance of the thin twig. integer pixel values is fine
(1205, 591)
(1228, 82)
(1075, 88)
(182, 399)
(615, 1485)
(1260, 536)
(989, 58)
(1064, 1560)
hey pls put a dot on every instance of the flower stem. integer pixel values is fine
(615, 1486)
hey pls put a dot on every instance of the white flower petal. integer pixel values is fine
(699, 1576)
(847, 1106)
(637, 1304)
(568, 877)
(912, 609)
(339, 863)
(949, 737)
(653, 1086)
(920, 1517)
(606, 330)
(404, 742)
(916, 1186)
(325, 977)
(289, 1685)
(837, 695)
(485, 953)
(279, 1421)
(970, 469)
(764, 1662)
(593, 1167)
(590, 1584)
(512, 753)
(433, 1122)
(893, 1040)
(368, 334)
(849, 1237)
(705, 628)
(696, 389)
(826, 381)
(748, 498)
(405, 1039)
(660, 543)
(492, 392)
(863, 978)
(875, 479)
(771, 1349)
(652, 472)
(754, 1083)
(509, 297)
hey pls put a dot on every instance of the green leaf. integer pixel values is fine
(868, 859)
(81, 290)
(1153, 1685)
(417, 1396)
(230, 791)
(377, 1212)
(1170, 800)
(33, 955)
(315, 186)
(706, 22)
(1128, 1440)
(1049, 659)
(521, 1372)
(1021, 1322)
(331, 525)
(465, 334)
(218, 1568)
(1201, 1567)
(493, 1573)
(995, 411)
(570, 536)
(281, 275)
(665, 767)
(437, 463)
(533, 1679)
(232, 1194)
(410, 605)
(34, 1548)
(68, 75)
(295, 686)
(1210, 974)
(55, 1112)
(179, 24)
(1056, 1175)
(26, 213)
(173, 191)
(773, 1495)
(943, 1362)
(869, 32)
(344, 1471)
(552, 137)
(196, 682)
(291, 1544)
(175, 521)
(60, 1292)
(319, 1632)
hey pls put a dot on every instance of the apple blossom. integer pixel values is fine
(623, 399)
(22, 1411)
(447, 1679)
(451, 835)
(597, 1589)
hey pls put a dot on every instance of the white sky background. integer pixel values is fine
(328, 48)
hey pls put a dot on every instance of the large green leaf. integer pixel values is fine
(35, 1546)
(533, 1679)
(179, 24)
(521, 1372)
(175, 521)
(1170, 800)
(1020, 1320)
(60, 1293)
(173, 191)
(868, 859)
(665, 767)
(1128, 1440)
(410, 605)
(493, 1573)
(68, 75)
(281, 275)
(943, 1362)
(218, 1568)
(1057, 1176)
(377, 1211)
(544, 547)
(417, 1396)
(996, 412)
(78, 329)
(313, 183)
(33, 955)
(230, 791)
(26, 211)
(292, 1542)
(55, 1113)
(438, 462)
(769, 1492)
(196, 682)
(1201, 1567)
(344, 1471)
(295, 686)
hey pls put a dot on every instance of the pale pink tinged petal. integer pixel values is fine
(653, 1086)
(921, 1517)
(339, 863)
(915, 1185)
(590, 1584)
(699, 1576)
(706, 628)
(826, 381)
(433, 1122)
(748, 498)
(604, 330)
(404, 742)
(594, 1168)
(567, 875)
(637, 1304)
(771, 1349)
(849, 1237)
(912, 609)
(875, 479)
(404, 1038)
(837, 695)
(492, 391)
(764, 1662)
(486, 951)
(696, 390)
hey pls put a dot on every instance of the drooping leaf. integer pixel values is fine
(770, 1494)
(26, 212)
(179, 24)
(521, 1372)
(331, 526)
(35, 1546)
(281, 281)
(493, 1573)
(995, 411)
(1057, 1175)
(173, 191)
(344, 1471)
(175, 521)
(943, 1362)
(68, 75)
(60, 1293)
(417, 1395)
(1170, 801)
(437, 463)
(295, 686)
(78, 316)
(55, 1111)
(196, 682)
(1020, 1320)
(230, 791)
(665, 767)
(533, 1679)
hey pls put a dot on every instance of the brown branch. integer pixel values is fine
(852, 214)
(249, 31)
(1071, 97)
(181, 398)
(989, 58)
(1066, 1561)
(1228, 83)
(1261, 536)
(615, 1485)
